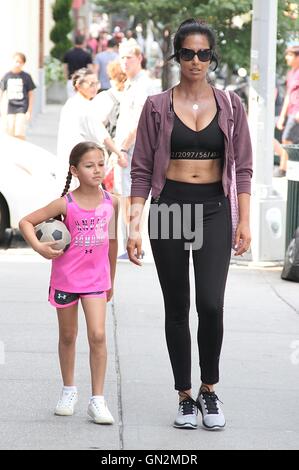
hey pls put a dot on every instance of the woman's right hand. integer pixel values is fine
(122, 160)
(134, 250)
(46, 250)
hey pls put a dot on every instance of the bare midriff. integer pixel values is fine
(190, 171)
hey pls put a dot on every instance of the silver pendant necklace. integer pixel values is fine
(195, 107)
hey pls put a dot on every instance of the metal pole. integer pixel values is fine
(41, 71)
(268, 207)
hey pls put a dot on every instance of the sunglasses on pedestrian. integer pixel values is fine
(91, 84)
(204, 55)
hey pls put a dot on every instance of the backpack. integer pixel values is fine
(290, 270)
(113, 116)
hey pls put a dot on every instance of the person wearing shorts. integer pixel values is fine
(85, 270)
(291, 130)
(19, 87)
(288, 120)
(61, 299)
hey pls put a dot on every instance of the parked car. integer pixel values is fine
(27, 180)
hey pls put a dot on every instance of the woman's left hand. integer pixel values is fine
(243, 238)
(109, 294)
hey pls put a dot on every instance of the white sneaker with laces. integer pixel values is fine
(98, 411)
(66, 403)
(212, 416)
(187, 414)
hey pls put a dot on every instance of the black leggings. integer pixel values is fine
(211, 264)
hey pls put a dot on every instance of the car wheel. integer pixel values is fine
(4, 218)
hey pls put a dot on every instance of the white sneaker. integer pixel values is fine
(187, 414)
(212, 415)
(98, 411)
(66, 403)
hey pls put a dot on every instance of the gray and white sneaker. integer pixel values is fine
(187, 414)
(212, 416)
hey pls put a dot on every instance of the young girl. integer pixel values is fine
(85, 271)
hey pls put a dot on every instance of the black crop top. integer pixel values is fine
(187, 144)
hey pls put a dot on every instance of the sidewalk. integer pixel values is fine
(259, 383)
(259, 368)
(44, 128)
(30, 378)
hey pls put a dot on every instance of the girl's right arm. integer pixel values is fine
(27, 224)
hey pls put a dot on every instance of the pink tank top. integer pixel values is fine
(85, 267)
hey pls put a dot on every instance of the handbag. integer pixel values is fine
(232, 194)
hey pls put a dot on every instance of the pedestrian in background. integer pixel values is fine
(75, 59)
(102, 60)
(19, 87)
(289, 117)
(188, 140)
(105, 107)
(137, 88)
(77, 123)
(278, 148)
(85, 271)
(92, 45)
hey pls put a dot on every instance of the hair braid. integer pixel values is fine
(67, 183)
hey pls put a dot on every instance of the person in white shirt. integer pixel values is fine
(77, 124)
(105, 106)
(137, 88)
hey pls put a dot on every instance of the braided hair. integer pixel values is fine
(67, 183)
(80, 76)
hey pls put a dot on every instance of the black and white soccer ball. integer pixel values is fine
(53, 230)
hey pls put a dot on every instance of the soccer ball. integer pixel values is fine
(53, 230)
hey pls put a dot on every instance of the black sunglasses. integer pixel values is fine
(204, 55)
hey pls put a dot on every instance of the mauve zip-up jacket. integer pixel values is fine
(152, 148)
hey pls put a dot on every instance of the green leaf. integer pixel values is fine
(233, 42)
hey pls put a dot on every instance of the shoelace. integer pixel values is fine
(96, 405)
(210, 399)
(67, 400)
(188, 406)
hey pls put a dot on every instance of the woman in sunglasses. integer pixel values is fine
(78, 123)
(189, 140)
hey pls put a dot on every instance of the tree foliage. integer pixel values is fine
(63, 26)
(234, 36)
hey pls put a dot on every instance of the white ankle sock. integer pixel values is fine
(68, 389)
(97, 397)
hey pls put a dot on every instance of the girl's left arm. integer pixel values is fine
(113, 244)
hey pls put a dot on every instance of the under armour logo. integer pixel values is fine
(88, 251)
(61, 296)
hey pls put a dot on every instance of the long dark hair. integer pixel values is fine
(192, 26)
(75, 157)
